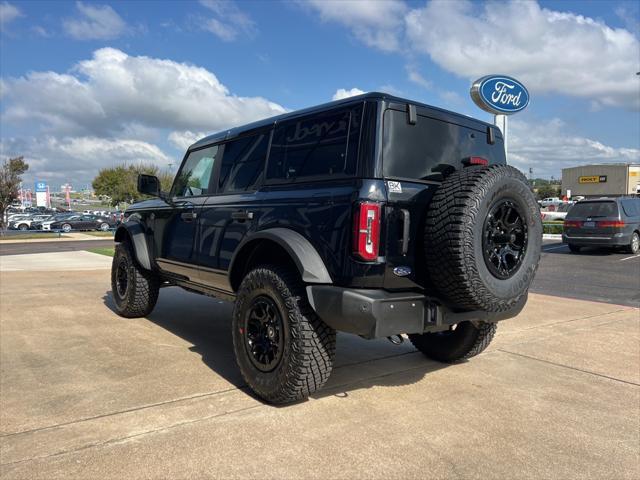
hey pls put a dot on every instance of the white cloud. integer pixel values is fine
(377, 23)
(228, 21)
(96, 22)
(550, 51)
(114, 108)
(8, 13)
(548, 148)
(183, 140)
(78, 159)
(105, 94)
(417, 78)
(342, 93)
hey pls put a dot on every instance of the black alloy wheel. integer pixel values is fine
(264, 334)
(122, 277)
(504, 241)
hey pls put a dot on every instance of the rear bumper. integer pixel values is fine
(616, 239)
(377, 313)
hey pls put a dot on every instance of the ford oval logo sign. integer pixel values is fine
(499, 94)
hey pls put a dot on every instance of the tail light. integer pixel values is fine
(366, 231)
(476, 161)
(572, 224)
(610, 223)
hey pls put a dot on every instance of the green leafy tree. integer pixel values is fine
(10, 180)
(548, 191)
(120, 183)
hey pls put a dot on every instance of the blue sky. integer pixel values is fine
(86, 85)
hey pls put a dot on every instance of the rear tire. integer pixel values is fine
(465, 341)
(634, 244)
(134, 290)
(23, 227)
(284, 350)
(66, 228)
(483, 238)
(574, 248)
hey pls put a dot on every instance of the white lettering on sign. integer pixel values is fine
(501, 95)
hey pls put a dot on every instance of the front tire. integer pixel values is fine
(134, 290)
(284, 350)
(104, 227)
(464, 341)
(66, 228)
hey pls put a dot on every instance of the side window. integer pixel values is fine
(243, 163)
(631, 207)
(315, 146)
(195, 175)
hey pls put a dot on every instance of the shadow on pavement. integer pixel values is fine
(585, 251)
(206, 324)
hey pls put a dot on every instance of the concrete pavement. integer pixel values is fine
(87, 394)
(54, 261)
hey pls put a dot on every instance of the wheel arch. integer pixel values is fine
(134, 233)
(281, 245)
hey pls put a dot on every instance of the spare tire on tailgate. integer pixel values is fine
(483, 237)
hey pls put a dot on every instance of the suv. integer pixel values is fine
(373, 215)
(603, 222)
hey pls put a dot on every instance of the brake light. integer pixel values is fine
(476, 161)
(610, 223)
(572, 224)
(366, 231)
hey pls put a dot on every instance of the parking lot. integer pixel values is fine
(86, 393)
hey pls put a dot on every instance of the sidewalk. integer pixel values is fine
(54, 261)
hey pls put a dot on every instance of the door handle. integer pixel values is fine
(242, 215)
(188, 216)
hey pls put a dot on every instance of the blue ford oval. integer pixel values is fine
(500, 94)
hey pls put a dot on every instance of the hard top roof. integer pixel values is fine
(233, 132)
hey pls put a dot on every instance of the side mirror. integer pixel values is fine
(149, 185)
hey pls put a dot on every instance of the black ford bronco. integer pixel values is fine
(373, 215)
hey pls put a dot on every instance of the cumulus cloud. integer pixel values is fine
(106, 93)
(183, 140)
(377, 24)
(78, 158)
(548, 147)
(113, 108)
(549, 50)
(95, 22)
(228, 21)
(8, 13)
(342, 93)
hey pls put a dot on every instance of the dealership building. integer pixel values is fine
(606, 180)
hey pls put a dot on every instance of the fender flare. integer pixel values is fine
(136, 233)
(310, 265)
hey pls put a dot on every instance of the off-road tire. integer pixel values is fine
(574, 248)
(309, 344)
(453, 238)
(465, 341)
(634, 243)
(141, 293)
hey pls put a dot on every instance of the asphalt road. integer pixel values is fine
(593, 274)
(53, 246)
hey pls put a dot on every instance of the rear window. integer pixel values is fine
(321, 145)
(594, 209)
(431, 147)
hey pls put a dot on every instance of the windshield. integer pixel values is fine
(594, 209)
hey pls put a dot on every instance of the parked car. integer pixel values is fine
(604, 222)
(559, 213)
(439, 241)
(545, 202)
(28, 223)
(80, 222)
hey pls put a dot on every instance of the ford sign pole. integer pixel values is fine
(502, 96)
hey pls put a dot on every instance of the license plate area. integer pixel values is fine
(589, 225)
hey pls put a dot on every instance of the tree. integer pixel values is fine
(548, 191)
(10, 180)
(120, 183)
